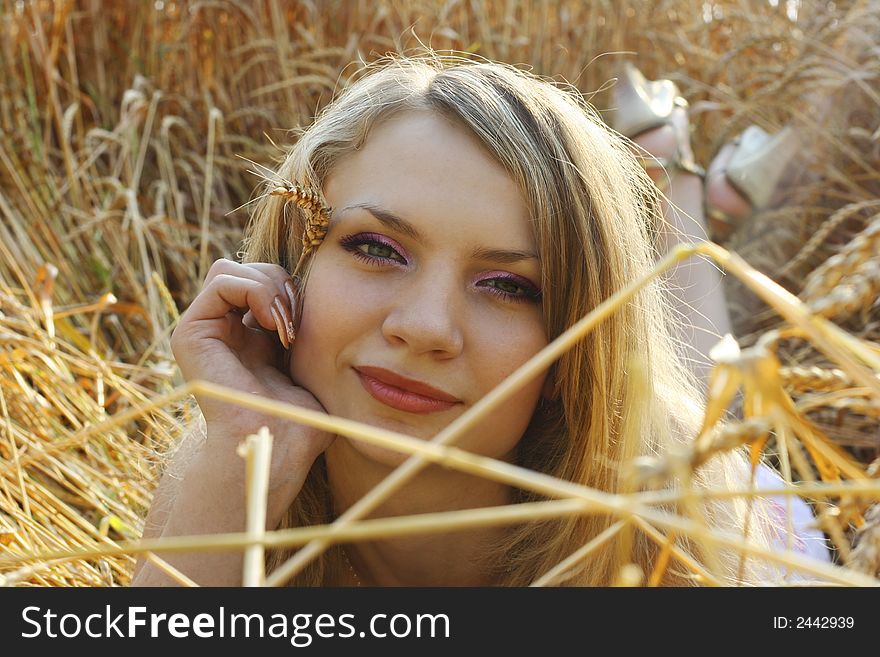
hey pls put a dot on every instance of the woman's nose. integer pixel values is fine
(424, 316)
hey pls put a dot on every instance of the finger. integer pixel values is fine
(227, 293)
(266, 272)
(273, 272)
(226, 266)
(249, 321)
(287, 284)
(276, 272)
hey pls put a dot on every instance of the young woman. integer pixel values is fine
(477, 212)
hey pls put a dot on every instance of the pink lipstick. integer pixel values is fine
(403, 394)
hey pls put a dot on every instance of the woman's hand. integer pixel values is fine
(234, 334)
(230, 335)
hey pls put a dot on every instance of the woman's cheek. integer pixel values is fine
(341, 305)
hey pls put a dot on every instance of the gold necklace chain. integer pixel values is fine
(354, 574)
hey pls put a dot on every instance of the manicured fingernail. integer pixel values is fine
(288, 322)
(291, 295)
(279, 325)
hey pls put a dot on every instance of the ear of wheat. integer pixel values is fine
(866, 555)
(317, 215)
(849, 280)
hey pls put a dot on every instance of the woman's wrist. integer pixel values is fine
(292, 459)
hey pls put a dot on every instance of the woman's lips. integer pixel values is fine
(402, 400)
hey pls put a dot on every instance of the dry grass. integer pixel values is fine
(122, 129)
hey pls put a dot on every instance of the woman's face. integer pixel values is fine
(428, 273)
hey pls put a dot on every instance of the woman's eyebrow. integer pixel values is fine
(390, 220)
(502, 256)
(404, 227)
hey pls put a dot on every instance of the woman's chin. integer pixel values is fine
(377, 454)
(474, 441)
(384, 455)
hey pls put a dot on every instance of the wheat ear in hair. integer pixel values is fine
(317, 216)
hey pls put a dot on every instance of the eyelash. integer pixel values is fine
(351, 243)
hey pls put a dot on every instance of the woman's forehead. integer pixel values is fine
(436, 175)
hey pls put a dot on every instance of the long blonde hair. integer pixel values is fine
(623, 391)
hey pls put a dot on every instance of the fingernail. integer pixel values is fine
(291, 295)
(279, 324)
(288, 322)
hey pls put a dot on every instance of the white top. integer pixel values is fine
(806, 538)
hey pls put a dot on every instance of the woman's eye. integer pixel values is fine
(379, 250)
(371, 249)
(506, 286)
(511, 290)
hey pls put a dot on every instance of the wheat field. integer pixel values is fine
(124, 133)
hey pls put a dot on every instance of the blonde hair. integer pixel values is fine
(623, 391)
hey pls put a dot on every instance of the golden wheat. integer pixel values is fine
(119, 177)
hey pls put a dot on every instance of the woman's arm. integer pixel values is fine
(203, 492)
(185, 503)
(232, 334)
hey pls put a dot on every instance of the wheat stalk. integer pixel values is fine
(317, 215)
(115, 205)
